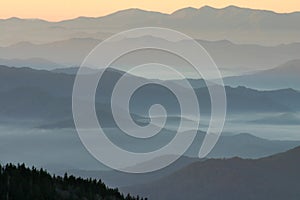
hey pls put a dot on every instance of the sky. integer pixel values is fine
(57, 10)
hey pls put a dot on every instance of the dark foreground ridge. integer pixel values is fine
(22, 183)
(275, 177)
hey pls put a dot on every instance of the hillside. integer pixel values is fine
(19, 182)
(241, 145)
(275, 177)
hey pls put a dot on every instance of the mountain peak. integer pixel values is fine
(22, 44)
(133, 12)
(14, 19)
(185, 12)
(233, 7)
(187, 9)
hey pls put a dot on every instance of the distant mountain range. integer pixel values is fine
(36, 63)
(47, 94)
(282, 119)
(45, 97)
(232, 59)
(258, 54)
(72, 70)
(241, 145)
(67, 53)
(286, 75)
(275, 177)
(232, 23)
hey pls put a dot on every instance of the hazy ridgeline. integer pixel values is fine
(36, 116)
(258, 54)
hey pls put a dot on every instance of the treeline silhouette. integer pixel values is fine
(22, 183)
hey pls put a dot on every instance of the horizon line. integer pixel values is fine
(122, 10)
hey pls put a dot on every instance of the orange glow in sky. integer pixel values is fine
(56, 10)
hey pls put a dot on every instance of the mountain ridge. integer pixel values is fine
(232, 23)
(206, 7)
(287, 73)
(233, 59)
(272, 177)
